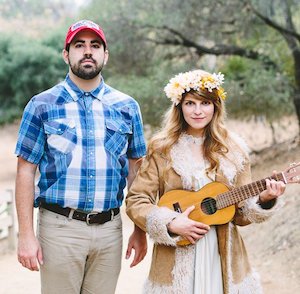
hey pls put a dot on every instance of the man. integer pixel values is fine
(85, 138)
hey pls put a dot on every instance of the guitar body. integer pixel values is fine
(186, 199)
(180, 200)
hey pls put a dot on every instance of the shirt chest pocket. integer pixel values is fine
(117, 136)
(61, 135)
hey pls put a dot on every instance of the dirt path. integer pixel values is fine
(15, 279)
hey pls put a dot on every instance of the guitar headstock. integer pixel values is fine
(292, 173)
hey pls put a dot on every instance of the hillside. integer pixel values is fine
(273, 246)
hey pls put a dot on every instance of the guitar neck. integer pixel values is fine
(244, 192)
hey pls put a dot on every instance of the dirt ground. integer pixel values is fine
(15, 279)
(273, 246)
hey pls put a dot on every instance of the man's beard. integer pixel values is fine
(86, 72)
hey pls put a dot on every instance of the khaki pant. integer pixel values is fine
(79, 258)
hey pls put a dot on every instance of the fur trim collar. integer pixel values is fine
(192, 172)
(234, 161)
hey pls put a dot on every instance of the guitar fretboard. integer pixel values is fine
(244, 192)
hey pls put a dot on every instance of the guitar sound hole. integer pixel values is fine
(208, 206)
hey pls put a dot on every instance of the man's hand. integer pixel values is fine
(30, 252)
(187, 228)
(138, 242)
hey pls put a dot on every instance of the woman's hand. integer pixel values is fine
(187, 228)
(273, 190)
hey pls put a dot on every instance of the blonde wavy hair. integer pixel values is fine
(173, 125)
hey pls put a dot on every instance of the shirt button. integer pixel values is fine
(86, 94)
(90, 200)
(91, 153)
(91, 176)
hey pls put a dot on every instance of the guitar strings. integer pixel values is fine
(238, 194)
(224, 198)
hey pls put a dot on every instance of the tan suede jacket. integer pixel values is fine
(151, 183)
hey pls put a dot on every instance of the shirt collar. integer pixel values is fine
(76, 93)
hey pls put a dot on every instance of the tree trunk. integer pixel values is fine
(296, 101)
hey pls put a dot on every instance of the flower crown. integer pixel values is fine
(194, 80)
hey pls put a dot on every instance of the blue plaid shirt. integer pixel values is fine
(81, 142)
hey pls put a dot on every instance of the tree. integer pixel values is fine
(187, 34)
(222, 31)
(26, 68)
(286, 27)
(30, 9)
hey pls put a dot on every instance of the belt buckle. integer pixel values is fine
(88, 217)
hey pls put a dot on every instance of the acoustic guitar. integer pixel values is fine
(215, 203)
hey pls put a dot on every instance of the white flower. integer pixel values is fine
(193, 80)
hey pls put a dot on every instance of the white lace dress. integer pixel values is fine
(207, 276)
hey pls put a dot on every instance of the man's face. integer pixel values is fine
(86, 56)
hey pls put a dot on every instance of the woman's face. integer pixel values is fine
(197, 113)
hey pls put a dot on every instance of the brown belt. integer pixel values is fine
(89, 218)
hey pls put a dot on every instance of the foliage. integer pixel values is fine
(26, 68)
(254, 90)
(9, 115)
(27, 9)
(151, 41)
(130, 51)
(31, 62)
(141, 34)
(147, 90)
(55, 39)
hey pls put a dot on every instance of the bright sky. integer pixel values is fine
(81, 2)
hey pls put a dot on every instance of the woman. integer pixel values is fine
(193, 149)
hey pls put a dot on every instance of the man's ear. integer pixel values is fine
(65, 55)
(106, 55)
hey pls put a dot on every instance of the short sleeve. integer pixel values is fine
(137, 145)
(31, 137)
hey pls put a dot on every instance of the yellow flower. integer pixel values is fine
(221, 93)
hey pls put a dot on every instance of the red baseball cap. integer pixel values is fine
(84, 25)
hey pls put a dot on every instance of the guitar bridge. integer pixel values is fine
(177, 207)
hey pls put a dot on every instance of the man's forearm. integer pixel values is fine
(25, 196)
